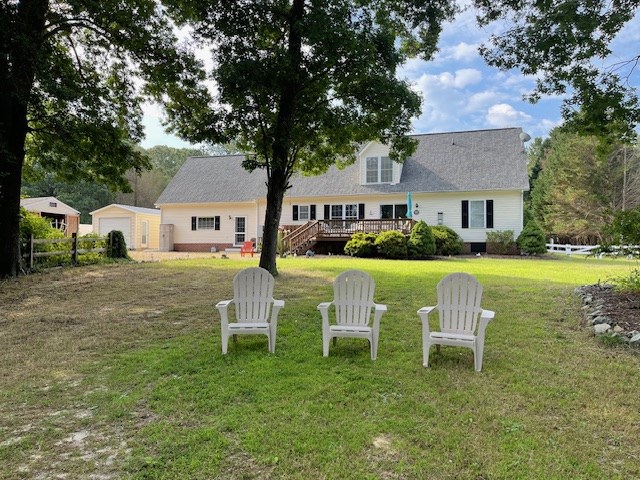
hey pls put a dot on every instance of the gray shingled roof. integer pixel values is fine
(443, 162)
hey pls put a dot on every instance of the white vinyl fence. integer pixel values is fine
(621, 250)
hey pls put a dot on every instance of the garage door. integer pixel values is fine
(122, 224)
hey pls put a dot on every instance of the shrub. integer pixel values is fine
(447, 240)
(361, 245)
(40, 228)
(532, 239)
(392, 244)
(500, 242)
(629, 283)
(421, 242)
(116, 246)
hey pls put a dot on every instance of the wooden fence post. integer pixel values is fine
(74, 248)
(31, 252)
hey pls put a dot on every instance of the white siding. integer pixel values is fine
(507, 212)
(180, 217)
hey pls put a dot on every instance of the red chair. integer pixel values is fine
(247, 247)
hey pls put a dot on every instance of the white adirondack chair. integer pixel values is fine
(353, 301)
(459, 297)
(256, 310)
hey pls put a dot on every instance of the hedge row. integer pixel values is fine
(423, 242)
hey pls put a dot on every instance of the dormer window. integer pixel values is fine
(379, 170)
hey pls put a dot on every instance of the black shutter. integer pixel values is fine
(327, 212)
(465, 213)
(312, 212)
(361, 211)
(295, 213)
(194, 223)
(216, 222)
(489, 213)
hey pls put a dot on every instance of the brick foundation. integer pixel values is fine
(200, 247)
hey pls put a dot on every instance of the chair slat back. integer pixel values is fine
(253, 295)
(353, 297)
(459, 298)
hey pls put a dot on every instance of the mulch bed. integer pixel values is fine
(622, 308)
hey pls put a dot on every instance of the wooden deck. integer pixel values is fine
(315, 231)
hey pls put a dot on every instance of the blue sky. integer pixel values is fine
(460, 92)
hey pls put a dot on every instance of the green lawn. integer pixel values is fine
(117, 371)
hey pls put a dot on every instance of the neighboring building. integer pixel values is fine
(470, 181)
(140, 226)
(61, 215)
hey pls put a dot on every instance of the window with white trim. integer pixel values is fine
(379, 170)
(303, 212)
(351, 211)
(476, 214)
(205, 223)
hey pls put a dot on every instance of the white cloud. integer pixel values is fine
(464, 51)
(504, 115)
(459, 79)
(479, 101)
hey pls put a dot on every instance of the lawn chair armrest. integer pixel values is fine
(324, 311)
(277, 305)
(223, 310)
(377, 315)
(324, 306)
(485, 317)
(424, 316)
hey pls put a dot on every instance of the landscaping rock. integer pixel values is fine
(601, 328)
(635, 340)
(618, 329)
(601, 319)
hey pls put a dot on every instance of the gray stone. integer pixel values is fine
(618, 329)
(635, 340)
(601, 319)
(601, 328)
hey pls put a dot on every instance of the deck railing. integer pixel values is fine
(342, 229)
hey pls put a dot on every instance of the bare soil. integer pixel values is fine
(622, 308)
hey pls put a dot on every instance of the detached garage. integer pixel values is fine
(140, 226)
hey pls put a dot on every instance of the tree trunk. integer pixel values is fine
(275, 196)
(18, 62)
(282, 163)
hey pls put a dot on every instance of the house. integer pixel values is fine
(471, 181)
(140, 226)
(61, 215)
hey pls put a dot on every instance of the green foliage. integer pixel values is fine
(559, 41)
(39, 227)
(628, 283)
(448, 242)
(532, 239)
(391, 244)
(116, 245)
(421, 241)
(361, 245)
(500, 242)
(625, 227)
